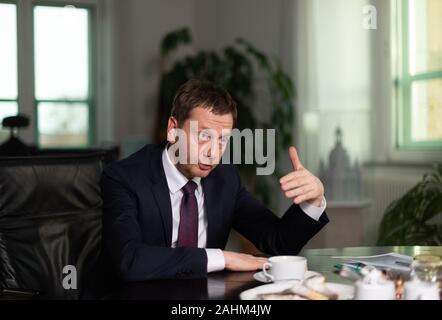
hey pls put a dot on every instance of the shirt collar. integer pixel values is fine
(175, 179)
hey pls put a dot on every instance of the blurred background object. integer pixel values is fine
(341, 177)
(14, 146)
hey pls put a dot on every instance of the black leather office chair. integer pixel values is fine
(50, 217)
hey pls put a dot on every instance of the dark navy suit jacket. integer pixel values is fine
(137, 219)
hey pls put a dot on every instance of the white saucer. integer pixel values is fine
(344, 292)
(259, 276)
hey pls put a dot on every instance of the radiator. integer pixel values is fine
(382, 185)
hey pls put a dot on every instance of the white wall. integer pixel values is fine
(219, 23)
(382, 83)
(139, 27)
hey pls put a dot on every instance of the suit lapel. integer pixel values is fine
(160, 191)
(213, 205)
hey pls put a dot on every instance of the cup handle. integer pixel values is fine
(264, 271)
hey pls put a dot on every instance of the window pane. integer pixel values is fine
(61, 52)
(6, 109)
(8, 51)
(62, 124)
(425, 35)
(427, 110)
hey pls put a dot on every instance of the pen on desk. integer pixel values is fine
(359, 269)
(346, 272)
(355, 268)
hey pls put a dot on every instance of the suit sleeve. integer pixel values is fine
(134, 259)
(269, 233)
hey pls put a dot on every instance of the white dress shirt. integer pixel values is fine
(176, 181)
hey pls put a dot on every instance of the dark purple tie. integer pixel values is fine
(188, 228)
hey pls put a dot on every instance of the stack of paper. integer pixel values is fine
(387, 261)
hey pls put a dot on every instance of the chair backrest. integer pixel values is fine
(50, 218)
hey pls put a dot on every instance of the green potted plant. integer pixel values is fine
(233, 67)
(415, 218)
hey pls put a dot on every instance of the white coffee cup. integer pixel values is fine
(421, 290)
(384, 290)
(285, 268)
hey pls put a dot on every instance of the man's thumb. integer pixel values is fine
(295, 159)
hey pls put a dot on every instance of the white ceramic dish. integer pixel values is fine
(259, 276)
(344, 292)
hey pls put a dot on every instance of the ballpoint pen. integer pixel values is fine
(359, 269)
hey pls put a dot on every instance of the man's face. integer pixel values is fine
(206, 137)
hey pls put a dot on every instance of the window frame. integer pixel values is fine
(404, 82)
(91, 101)
(17, 99)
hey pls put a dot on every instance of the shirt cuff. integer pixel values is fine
(215, 260)
(313, 211)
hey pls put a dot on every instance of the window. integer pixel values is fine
(63, 75)
(8, 63)
(420, 74)
(58, 74)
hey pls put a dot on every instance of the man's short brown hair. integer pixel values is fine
(201, 93)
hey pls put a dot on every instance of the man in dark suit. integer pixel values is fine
(166, 216)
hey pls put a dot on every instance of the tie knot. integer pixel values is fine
(189, 188)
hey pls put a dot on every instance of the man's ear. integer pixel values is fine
(172, 125)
